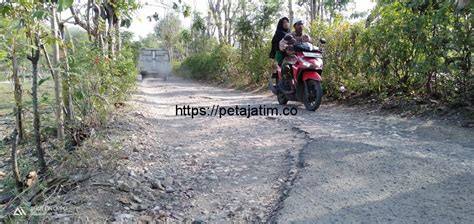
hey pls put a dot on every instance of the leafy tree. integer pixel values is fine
(168, 30)
(91, 68)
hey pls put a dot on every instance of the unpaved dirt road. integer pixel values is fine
(335, 165)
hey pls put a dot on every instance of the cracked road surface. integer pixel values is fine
(335, 165)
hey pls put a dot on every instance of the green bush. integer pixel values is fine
(402, 49)
(342, 54)
(214, 66)
(98, 82)
(226, 64)
(257, 66)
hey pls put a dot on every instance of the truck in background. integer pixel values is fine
(154, 63)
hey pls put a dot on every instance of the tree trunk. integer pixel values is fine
(16, 172)
(226, 19)
(111, 41)
(242, 40)
(99, 27)
(110, 31)
(118, 36)
(17, 93)
(290, 9)
(88, 17)
(232, 19)
(322, 10)
(215, 8)
(318, 9)
(56, 76)
(313, 10)
(208, 27)
(34, 58)
(67, 97)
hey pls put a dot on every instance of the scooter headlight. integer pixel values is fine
(318, 64)
(307, 64)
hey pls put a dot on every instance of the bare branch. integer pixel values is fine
(77, 20)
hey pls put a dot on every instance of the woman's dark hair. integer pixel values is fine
(279, 34)
(280, 25)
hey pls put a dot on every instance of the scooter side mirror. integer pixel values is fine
(322, 40)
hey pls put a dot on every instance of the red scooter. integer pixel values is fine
(304, 85)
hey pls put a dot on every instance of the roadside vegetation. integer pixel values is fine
(415, 54)
(59, 87)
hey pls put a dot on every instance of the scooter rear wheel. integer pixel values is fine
(312, 95)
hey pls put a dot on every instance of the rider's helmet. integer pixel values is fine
(298, 21)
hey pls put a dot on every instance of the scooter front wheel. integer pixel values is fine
(282, 99)
(312, 95)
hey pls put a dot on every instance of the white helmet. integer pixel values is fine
(298, 20)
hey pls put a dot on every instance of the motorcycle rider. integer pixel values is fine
(283, 28)
(286, 44)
